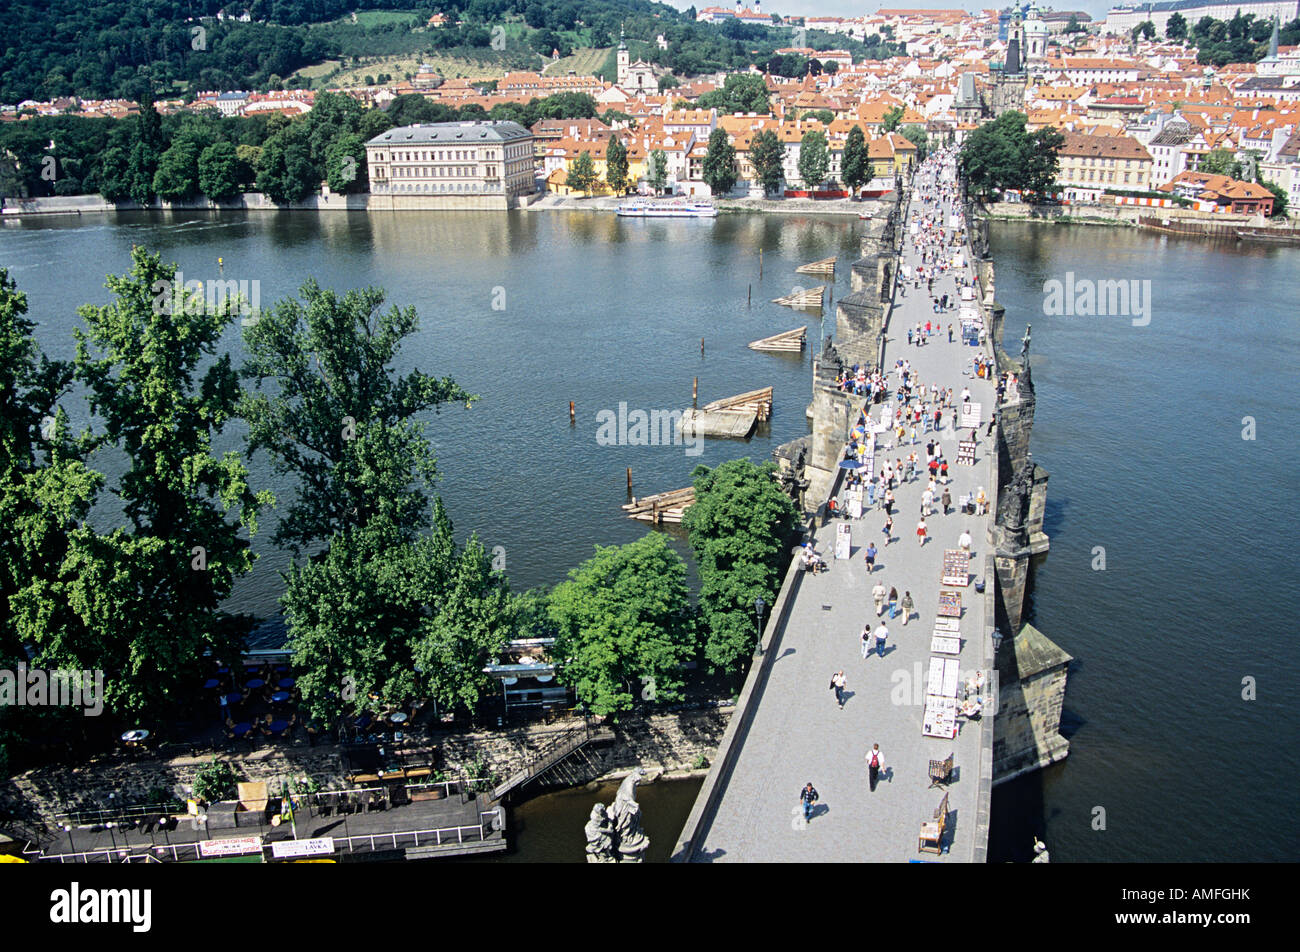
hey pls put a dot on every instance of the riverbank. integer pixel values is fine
(1112, 216)
(668, 745)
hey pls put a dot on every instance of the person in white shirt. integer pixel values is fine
(878, 596)
(881, 633)
(964, 541)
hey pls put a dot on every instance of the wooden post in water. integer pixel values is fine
(629, 480)
(701, 346)
(572, 418)
(760, 264)
(695, 391)
(749, 297)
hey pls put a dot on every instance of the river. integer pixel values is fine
(1140, 427)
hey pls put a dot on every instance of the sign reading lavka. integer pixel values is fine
(288, 849)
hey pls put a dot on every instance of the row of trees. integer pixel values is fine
(186, 155)
(387, 606)
(1242, 39)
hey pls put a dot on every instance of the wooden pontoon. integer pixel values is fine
(825, 266)
(809, 298)
(661, 507)
(794, 340)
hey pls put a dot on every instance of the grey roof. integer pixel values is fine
(453, 132)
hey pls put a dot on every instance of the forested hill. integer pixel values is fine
(130, 48)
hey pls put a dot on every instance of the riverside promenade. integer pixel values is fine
(798, 734)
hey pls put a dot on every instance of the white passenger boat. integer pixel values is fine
(676, 209)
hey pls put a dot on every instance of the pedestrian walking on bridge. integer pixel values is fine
(808, 796)
(838, 682)
(875, 764)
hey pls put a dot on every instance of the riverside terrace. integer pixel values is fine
(791, 730)
(387, 821)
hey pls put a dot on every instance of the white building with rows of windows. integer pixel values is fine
(451, 165)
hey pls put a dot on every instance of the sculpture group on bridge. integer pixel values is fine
(614, 834)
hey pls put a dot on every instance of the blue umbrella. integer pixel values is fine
(851, 464)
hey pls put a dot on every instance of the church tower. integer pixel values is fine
(622, 60)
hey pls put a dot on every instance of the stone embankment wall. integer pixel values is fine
(255, 201)
(669, 743)
(1114, 215)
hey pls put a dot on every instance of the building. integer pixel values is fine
(1170, 152)
(452, 165)
(1092, 164)
(1229, 194)
(635, 79)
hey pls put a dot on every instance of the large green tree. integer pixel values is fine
(219, 171)
(286, 172)
(178, 171)
(582, 176)
(855, 169)
(336, 416)
(741, 528)
(1176, 27)
(814, 158)
(767, 155)
(720, 163)
(893, 116)
(657, 173)
(623, 619)
(142, 602)
(616, 165)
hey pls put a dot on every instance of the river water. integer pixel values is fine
(1140, 427)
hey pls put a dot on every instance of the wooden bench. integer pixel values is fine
(932, 830)
(941, 772)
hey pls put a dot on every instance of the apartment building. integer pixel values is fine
(453, 164)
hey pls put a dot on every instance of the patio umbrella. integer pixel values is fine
(851, 464)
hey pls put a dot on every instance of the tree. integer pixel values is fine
(582, 173)
(915, 134)
(622, 617)
(178, 171)
(468, 625)
(1073, 25)
(219, 171)
(1176, 27)
(345, 164)
(893, 116)
(741, 526)
(767, 155)
(1041, 161)
(720, 163)
(616, 166)
(286, 172)
(814, 158)
(142, 603)
(1220, 162)
(337, 417)
(1279, 198)
(658, 170)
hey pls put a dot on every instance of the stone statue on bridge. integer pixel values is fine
(600, 836)
(614, 834)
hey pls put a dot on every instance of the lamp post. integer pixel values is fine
(997, 640)
(759, 606)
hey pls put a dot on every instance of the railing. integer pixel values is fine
(477, 833)
(537, 764)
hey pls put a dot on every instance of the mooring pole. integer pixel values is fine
(572, 418)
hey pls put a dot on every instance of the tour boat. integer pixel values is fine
(677, 209)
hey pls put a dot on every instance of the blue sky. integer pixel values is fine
(848, 8)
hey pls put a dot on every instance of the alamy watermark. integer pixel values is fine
(58, 687)
(1086, 297)
(198, 297)
(647, 428)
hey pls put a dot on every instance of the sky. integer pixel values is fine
(849, 8)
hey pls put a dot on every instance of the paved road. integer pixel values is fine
(799, 734)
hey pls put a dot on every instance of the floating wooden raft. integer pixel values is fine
(825, 266)
(661, 507)
(810, 298)
(786, 340)
(753, 401)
